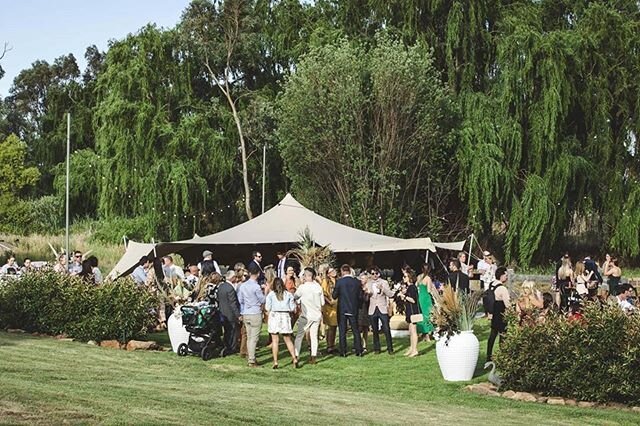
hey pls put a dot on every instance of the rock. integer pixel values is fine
(62, 336)
(92, 343)
(556, 401)
(636, 409)
(587, 404)
(542, 399)
(138, 345)
(617, 405)
(113, 344)
(487, 385)
(571, 402)
(482, 390)
(508, 394)
(15, 330)
(524, 396)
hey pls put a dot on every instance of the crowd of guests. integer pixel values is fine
(85, 267)
(298, 307)
(573, 286)
(310, 306)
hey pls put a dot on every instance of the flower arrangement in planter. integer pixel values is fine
(457, 348)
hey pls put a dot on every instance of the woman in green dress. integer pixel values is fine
(425, 288)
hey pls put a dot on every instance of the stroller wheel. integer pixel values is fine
(207, 353)
(183, 349)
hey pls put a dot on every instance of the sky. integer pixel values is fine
(45, 29)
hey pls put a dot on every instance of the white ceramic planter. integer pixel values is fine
(177, 333)
(458, 356)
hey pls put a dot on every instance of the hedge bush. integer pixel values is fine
(595, 359)
(52, 303)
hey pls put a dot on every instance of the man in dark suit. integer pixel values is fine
(230, 310)
(281, 267)
(256, 263)
(457, 279)
(348, 291)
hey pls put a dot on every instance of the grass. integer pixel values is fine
(43, 380)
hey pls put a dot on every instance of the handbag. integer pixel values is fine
(416, 318)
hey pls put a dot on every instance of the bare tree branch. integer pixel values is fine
(5, 49)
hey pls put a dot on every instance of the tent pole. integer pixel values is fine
(470, 245)
(124, 240)
(442, 263)
(155, 253)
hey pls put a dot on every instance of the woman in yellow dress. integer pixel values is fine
(330, 309)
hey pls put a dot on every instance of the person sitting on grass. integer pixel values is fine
(279, 304)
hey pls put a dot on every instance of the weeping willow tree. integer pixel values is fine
(560, 122)
(164, 153)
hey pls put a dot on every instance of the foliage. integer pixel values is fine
(552, 357)
(518, 120)
(308, 254)
(52, 303)
(454, 311)
(15, 177)
(14, 174)
(363, 131)
(46, 215)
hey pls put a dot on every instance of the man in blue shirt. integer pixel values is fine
(251, 299)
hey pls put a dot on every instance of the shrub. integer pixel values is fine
(48, 302)
(596, 359)
(47, 214)
(111, 230)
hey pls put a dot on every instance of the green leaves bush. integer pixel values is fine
(51, 303)
(595, 359)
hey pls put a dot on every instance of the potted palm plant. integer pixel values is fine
(457, 348)
(308, 254)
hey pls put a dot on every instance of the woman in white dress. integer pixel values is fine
(280, 304)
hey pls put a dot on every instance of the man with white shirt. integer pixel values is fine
(171, 271)
(624, 292)
(311, 299)
(484, 268)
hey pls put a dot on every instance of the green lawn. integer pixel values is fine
(43, 380)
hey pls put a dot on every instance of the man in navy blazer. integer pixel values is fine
(349, 294)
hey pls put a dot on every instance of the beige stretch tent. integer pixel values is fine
(280, 226)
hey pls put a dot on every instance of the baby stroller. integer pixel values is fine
(204, 325)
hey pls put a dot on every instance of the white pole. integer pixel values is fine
(470, 244)
(67, 185)
(155, 253)
(264, 171)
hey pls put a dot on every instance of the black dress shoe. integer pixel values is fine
(376, 352)
(360, 354)
(343, 355)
